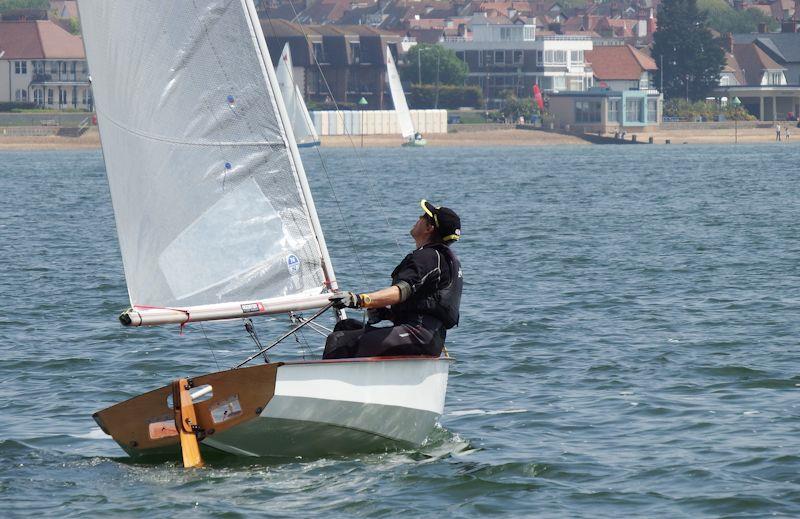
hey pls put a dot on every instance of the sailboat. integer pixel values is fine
(304, 132)
(216, 220)
(412, 138)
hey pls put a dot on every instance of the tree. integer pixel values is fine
(723, 18)
(421, 64)
(692, 59)
(6, 5)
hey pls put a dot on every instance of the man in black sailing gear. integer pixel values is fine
(422, 302)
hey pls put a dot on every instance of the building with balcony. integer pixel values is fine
(607, 111)
(334, 62)
(510, 56)
(42, 63)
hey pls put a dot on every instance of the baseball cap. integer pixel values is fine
(444, 219)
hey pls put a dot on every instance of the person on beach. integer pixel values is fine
(422, 303)
(777, 132)
(786, 134)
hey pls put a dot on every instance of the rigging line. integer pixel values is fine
(322, 162)
(339, 113)
(282, 337)
(210, 347)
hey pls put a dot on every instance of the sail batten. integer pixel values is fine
(210, 198)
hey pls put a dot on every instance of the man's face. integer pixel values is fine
(423, 228)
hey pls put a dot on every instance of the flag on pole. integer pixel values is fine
(537, 94)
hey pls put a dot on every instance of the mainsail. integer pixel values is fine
(213, 211)
(304, 131)
(398, 98)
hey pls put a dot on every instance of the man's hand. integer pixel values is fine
(345, 300)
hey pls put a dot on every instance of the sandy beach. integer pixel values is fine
(465, 138)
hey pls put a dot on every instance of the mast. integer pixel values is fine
(272, 82)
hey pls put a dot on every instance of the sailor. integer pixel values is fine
(422, 303)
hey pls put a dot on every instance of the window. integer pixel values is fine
(54, 67)
(576, 56)
(49, 96)
(555, 57)
(559, 83)
(587, 111)
(633, 110)
(505, 33)
(73, 69)
(652, 110)
(74, 97)
(355, 52)
(539, 57)
(62, 97)
(38, 98)
(774, 78)
(499, 57)
(20, 67)
(21, 95)
(87, 96)
(613, 110)
(486, 58)
(517, 57)
(319, 53)
(38, 67)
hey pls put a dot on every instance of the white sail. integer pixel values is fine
(211, 201)
(304, 131)
(398, 98)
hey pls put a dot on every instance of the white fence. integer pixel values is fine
(376, 122)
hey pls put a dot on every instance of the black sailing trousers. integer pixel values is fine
(351, 338)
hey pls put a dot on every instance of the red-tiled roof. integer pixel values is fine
(41, 39)
(615, 62)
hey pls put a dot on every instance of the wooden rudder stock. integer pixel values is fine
(186, 423)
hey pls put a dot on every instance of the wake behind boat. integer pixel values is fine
(216, 220)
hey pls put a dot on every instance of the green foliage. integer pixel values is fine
(692, 58)
(6, 5)
(707, 110)
(74, 26)
(15, 106)
(514, 107)
(421, 60)
(424, 96)
(723, 18)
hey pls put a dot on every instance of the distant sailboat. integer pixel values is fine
(412, 138)
(216, 220)
(304, 132)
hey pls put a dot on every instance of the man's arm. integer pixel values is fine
(384, 297)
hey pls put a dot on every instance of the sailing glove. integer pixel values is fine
(346, 300)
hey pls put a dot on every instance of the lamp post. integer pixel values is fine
(362, 103)
(736, 102)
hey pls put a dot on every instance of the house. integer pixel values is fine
(336, 63)
(763, 71)
(621, 67)
(507, 55)
(42, 63)
(607, 111)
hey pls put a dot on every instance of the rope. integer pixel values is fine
(370, 182)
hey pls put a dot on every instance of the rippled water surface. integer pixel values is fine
(628, 345)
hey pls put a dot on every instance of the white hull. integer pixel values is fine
(309, 409)
(336, 407)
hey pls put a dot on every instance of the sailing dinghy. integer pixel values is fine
(412, 138)
(216, 220)
(304, 132)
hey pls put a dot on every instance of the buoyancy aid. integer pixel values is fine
(444, 302)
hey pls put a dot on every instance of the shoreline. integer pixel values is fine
(503, 137)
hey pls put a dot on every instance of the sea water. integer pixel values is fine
(628, 343)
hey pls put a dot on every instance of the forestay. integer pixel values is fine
(398, 98)
(210, 197)
(304, 131)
